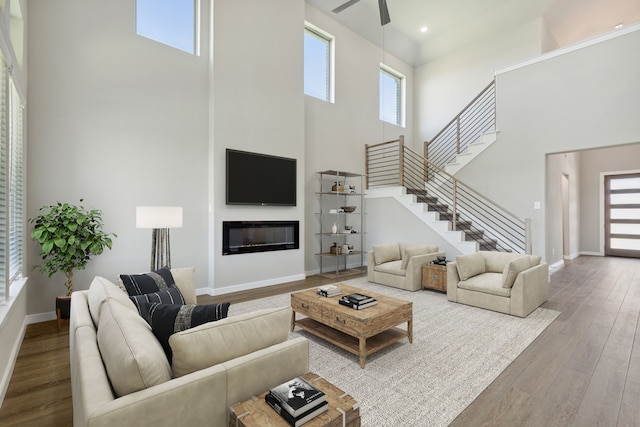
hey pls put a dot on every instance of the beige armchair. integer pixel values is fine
(510, 283)
(400, 264)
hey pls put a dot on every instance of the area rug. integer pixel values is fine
(457, 352)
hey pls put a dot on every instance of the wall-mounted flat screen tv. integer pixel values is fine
(260, 179)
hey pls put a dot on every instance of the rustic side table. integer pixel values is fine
(255, 412)
(434, 276)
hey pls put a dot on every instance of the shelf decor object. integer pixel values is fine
(160, 219)
(341, 223)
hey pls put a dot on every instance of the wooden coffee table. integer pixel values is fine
(343, 410)
(361, 332)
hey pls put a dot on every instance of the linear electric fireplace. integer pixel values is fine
(241, 237)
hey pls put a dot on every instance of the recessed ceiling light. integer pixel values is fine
(617, 27)
(423, 29)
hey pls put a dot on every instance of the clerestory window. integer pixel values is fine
(171, 22)
(391, 96)
(318, 63)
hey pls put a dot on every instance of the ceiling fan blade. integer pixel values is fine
(384, 12)
(344, 6)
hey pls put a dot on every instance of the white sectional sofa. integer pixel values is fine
(120, 375)
(509, 283)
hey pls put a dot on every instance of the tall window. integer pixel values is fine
(11, 182)
(318, 63)
(391, 96)
(172, 22)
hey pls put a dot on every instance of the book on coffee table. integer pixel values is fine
(357, 298)
(300, 419)
(349, 303)
(329, 290)
(297, 396)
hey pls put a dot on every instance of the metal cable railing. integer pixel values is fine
(480, 219)
(475, 119)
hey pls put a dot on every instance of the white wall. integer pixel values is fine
(336, 133)
(574, 100)
(119, 121)
(258, 106)
(445, 86)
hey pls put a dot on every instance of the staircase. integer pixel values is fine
(460, 214)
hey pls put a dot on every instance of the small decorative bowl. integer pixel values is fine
(348, 209)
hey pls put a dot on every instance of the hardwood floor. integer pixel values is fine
(583, 370)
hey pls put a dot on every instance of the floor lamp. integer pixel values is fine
(160, 219)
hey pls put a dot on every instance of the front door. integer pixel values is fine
(622, 215)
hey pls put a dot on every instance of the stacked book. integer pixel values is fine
(358, 301)
(329, 291)
(297, 401)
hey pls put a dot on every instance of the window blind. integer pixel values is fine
(4, 136)
(16, 181)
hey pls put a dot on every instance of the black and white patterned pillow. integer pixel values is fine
(153, 281)
(167, 319)
(170, 295)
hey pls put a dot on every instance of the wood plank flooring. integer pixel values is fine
(583, 370)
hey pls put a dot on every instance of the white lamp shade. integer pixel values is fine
(158, 216)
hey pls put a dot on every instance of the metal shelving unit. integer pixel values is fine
(339, 189)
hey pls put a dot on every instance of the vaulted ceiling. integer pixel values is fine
(453, 24)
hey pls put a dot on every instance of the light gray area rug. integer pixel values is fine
(457, 352)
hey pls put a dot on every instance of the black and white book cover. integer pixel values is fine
(356, 306)
(298, 396)
(300, 419)
(359, 298)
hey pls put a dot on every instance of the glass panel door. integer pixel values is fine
(622, 215)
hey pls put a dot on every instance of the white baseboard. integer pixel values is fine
(41, 317)
(248, 286)
(592, 253)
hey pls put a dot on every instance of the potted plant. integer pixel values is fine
(69, 236)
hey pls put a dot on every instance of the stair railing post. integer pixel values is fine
(401, 160)
(458, 135)
(455, 203)
(527, 236)
(366, 167)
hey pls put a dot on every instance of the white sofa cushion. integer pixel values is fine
(217, 342)
(386, 253)
(488, 283)
(470, 265)
(410, 251)
(513, 268)
(132, 355)
(391, 267)
(100, 290)
(185, 281)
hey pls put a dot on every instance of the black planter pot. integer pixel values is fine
(63, 306)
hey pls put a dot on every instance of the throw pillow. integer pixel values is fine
(386, 253)
(167, 319)
(416, 250)
(513, 268)
(170, 295)
(153, 281)
(470, 265)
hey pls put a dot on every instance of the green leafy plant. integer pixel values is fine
(69, 236)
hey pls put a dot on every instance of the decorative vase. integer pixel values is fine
(334, 228)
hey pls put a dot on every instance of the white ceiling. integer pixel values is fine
(453, 24)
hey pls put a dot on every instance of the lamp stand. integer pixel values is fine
(160, 251)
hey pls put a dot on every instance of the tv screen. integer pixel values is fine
(260, 179)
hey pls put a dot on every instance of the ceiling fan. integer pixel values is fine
(382, 5)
